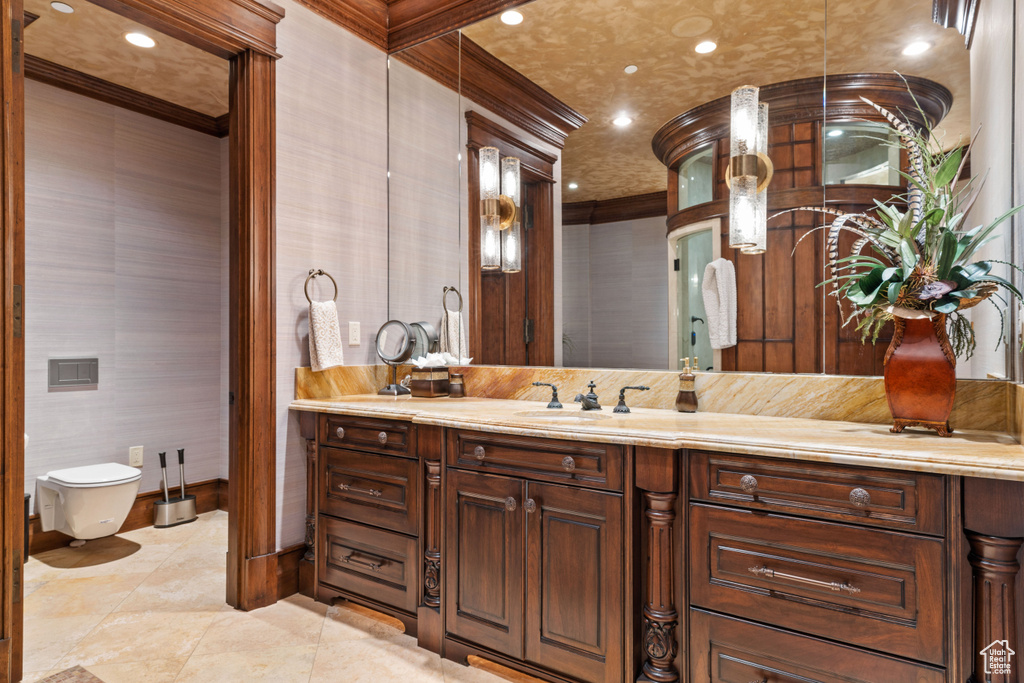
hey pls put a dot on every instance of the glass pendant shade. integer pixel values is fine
(511, 247)
(490, 243)
(748, 208)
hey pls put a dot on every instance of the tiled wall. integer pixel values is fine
(125, 257)
(331, 211)
(615, 284)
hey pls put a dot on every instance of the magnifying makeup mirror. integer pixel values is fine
(395, 342)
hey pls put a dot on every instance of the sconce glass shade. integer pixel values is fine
(489, 178)
(748, 147)
(512, 247)
(490, 243)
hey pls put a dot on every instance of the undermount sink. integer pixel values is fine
(563, 415)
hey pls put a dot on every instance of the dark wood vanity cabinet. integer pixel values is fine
(534, 570)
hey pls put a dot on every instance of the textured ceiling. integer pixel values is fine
(91, 40)
(577, 50)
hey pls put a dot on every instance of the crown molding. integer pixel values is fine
(630, 208)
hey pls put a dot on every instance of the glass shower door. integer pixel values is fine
(694, 253)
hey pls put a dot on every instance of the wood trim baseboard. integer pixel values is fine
(288, 561)
(207, 495)
(630, 208)
(39, 69)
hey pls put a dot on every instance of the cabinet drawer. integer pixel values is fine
(381, 490)
(727, 650)
(877, 589)
(376, 564)
(885, 498)
(367, 434)
(589, 464)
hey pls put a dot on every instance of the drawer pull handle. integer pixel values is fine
(373, 492)
(340, 431)
(748, 483)
(479, 452)
(372, 566)
(860, 497)
(510, 504)
(568, 464)
(382, 437)
(834, 586)
(530, 505)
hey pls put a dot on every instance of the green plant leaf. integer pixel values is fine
(1003, 283)
(894, 291)
(946, 306)
(946, 255)
(908, 257)
(947, 171)
(988, 230)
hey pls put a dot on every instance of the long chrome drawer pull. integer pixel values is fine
(348, 559)
(831, 585)
(373, 492)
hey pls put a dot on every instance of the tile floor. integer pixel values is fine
(149, 605)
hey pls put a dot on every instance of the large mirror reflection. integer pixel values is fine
(621, 117)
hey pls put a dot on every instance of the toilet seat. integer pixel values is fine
(91, 476)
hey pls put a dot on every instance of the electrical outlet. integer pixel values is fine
(353, 334)
(135, 456)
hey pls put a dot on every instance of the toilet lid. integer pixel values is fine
(104, 474)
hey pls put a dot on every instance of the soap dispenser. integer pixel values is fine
(686, 399)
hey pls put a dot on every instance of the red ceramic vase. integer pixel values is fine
(920, 375)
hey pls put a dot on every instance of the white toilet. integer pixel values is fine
(87, 502)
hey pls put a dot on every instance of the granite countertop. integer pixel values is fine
(969, 453)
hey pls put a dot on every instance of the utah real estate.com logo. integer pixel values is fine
(998, 657)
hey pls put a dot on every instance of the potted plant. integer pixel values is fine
(913, 263)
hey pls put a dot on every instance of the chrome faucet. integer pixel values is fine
(589, 402)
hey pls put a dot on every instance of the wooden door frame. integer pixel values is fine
(537, 166)
(243, 31)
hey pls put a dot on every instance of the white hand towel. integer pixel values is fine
(324, 336)
(719, 292)
(453, 334)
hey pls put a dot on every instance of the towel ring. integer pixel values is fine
(314, 272)
(444, 298)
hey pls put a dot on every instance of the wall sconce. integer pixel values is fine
(749, 172)
(500, 242)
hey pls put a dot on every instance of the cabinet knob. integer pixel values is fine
(530, 505)
(748, 483)
(510, 504)
(479, 452)
(860, 497)
(382, 437)
(568, 464)
(340, 431)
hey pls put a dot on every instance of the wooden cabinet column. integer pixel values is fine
(657, 476)
(430, 443)
(994, 526)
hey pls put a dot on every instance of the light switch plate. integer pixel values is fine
(353, 334)
(135, 456)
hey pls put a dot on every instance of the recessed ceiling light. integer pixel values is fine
(706, 47)
(916, 48)
(622, 120)
(512, 17)
(631, 69)
(573, 186)
(62, 7)
(835, 132)
(139, 40)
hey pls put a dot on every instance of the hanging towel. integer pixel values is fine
(719, 292)
(453, 334)
(324, 336)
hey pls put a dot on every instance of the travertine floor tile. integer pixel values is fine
(205, 553)
(47, 640)
(277, 665)
(372, 660)
(77, 597)
(150, 671)
(140, 637)
(179, 590)
(292, 622)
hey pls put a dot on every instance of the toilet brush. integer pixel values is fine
(174, 511)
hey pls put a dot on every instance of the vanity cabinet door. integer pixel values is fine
(574, 581)
(484, 575)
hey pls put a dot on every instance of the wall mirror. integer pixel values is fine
(639, 202)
